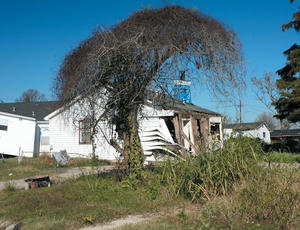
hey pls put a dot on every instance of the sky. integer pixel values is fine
(35, 36)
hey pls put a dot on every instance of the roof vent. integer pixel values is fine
(13, 109)
(33, 114)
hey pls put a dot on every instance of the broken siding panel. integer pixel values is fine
(153, 132)
(156, 137)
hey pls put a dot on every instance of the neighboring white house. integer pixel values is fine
(174, 126)
(253, 129)
(23, 129)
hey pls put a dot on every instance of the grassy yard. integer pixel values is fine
(10, 169)
(226, 189)
(87, 200)
(284, 157)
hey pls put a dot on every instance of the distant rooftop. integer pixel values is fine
(285, 133)
(37, 110)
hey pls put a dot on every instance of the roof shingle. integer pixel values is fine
(36, 110)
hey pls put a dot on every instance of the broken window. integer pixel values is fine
(171, 127)
(215, 131)
(85, 131)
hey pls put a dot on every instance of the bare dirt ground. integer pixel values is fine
(136, 219)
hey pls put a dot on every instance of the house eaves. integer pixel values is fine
(17, 116)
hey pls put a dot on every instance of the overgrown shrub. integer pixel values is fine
(212, 173)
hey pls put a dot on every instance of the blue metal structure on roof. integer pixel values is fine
(182, 92)
(182, 89)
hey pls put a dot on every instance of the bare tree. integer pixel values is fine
(269, 120)
(266, 90)
(31, 95)
(115, 67)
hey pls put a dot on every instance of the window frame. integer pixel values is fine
(90, 131)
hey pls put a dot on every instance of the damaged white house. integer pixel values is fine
(34, 128)
(175, 125)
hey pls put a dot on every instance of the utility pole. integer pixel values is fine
(240, 111)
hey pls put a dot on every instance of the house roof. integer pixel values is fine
(244, 126)
(166, 101)
(285, 133)
(157, 99)
(37, 110)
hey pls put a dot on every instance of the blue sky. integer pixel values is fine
(35, 35)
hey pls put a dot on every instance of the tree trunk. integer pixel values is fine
(133, 151)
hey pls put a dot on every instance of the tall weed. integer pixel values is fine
(268, 199)
(212, 173)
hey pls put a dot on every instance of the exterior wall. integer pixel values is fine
(64, 135)
(20, 135)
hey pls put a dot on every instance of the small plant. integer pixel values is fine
(88, 220)
(10, 186)
(182, 215)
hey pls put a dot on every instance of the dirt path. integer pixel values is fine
(123, 221)
(136, 219)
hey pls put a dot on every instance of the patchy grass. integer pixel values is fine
(87, 200)
(10, 169)
(284, 157)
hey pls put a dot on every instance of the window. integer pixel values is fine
(264, 135)
(45, 140)
(215, 131)
(85, 131)
(3, 127)
(3, 124)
